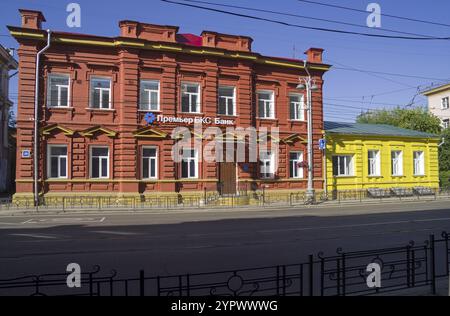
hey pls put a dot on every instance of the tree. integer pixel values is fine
(444, 151)
(418, 119)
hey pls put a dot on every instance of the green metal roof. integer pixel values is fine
(372, 129)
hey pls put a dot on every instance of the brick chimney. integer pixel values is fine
(32, 19)
(314, 55)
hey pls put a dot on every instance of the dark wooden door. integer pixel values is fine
(227, 177)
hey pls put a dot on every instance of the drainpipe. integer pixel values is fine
(442, 142)
(36, 122)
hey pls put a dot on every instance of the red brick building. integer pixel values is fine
(96, 93)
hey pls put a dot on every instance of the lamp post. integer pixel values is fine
(308, 84)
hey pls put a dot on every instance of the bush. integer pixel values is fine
(444, 179)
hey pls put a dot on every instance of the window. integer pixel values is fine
(343, 165)
(295, 164)
(58, 90)
(446, 123)
(149, 95)
(189, 164)
(227, 100)
(397, 163)
(266, 106)
(419, 163)
(100, 93)
(374, 162)
(149, 162)
(190, 97)
(267, 164)
(99, 162)
(445, 103)
(297, 107)
(57, 161)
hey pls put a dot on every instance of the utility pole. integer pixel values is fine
(308, 84)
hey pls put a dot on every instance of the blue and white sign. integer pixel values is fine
(322, 143)
(149, 118)
(26, 153)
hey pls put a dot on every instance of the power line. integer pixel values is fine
(303, 17)
(363, 11)
(303, 26)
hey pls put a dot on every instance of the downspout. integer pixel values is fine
(36, 122)
(442, 142)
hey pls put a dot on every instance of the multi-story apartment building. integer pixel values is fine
(439, 103)
(109, 105)
(7, 63)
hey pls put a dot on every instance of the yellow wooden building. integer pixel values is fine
(371, 156)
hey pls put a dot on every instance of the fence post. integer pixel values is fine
(311, 275)
(408, 266)
(91, 285)
(142, 283)
(343, 274)
(433, 265)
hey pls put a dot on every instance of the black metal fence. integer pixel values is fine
(244, 198)
(341, 274)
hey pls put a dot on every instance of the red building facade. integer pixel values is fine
(109, 105)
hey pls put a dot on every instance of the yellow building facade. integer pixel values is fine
(370, 156)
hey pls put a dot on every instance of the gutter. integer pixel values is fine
(36, 121)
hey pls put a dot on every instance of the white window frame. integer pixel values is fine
(272, 114)
(399, 172)
(298, 169)
(419, 164)
(267, 165)
(102, 90)
(227, 98)
(149, 162)
(299, 107)
(149, 91)
(348, 166)
(189, 159)
(49, 90)
(100, 164)
(49, 161)
(199, 94)
(374, 163)
(445, 103)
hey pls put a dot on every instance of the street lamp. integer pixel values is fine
(309, 84)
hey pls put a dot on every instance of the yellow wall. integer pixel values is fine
(358, 146)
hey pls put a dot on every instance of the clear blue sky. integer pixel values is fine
(354, 90)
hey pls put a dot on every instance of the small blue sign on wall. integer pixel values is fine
(245, 167)
(26, 153)
(149, 118)
(322, 143)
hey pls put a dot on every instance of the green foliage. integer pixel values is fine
(444, 178)
(444, 151)
(418, 119)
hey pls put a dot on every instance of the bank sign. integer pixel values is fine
(151, 118)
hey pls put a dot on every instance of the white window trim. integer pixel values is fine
(421, 161)
(302, 106)
(49, 99)
(272, 93)
(227, 98)
(199, 103)
(49, 156)
(400, 164)
(445, 103)
(350, 168)
(156, 163)
(300, 174)
(195, 158)
(271, 161)
(149, 95)
(377, 159)
(100, 166)
(91, 99)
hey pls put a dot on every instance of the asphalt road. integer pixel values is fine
(206, 240)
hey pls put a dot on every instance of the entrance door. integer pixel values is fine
(227, 178)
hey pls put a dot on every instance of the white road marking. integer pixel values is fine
(113, 232)
(35, 236)
(358, 225)
(65, 220)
